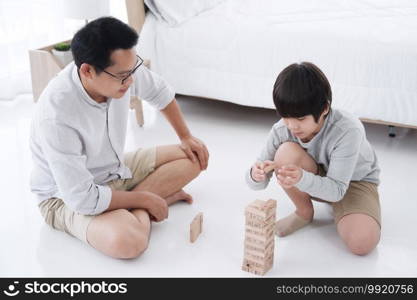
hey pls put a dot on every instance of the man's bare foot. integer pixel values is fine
(179, 196)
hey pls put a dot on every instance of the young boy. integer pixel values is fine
(85, 184)
(322, 154)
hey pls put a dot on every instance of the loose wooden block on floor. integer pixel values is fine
(196, 227)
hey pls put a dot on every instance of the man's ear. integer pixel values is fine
(87, 71)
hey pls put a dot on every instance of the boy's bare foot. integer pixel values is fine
(179, 196)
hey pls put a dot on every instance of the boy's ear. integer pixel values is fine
(327, 109)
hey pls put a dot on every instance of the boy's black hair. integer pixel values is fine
(300, 90)
(94, 43)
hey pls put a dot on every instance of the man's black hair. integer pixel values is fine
(94, 43)
(302, 89)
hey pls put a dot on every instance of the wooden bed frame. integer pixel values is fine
(136, 13)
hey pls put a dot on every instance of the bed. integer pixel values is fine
(232, 50)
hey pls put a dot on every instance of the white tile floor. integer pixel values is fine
(234, 135)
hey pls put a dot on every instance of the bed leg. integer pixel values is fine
(392, 132)
(136, 104)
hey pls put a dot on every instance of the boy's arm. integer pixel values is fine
(343, 161)
(267, 153)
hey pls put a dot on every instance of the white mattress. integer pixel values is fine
(233, 52)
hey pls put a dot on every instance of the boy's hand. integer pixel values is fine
(289, 175)
(257, 171)
(156, 206)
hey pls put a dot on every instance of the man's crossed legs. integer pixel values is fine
(124, 233)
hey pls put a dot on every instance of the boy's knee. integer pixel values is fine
(288, 153)
(127, 243)
(361, 243)
(359, 232)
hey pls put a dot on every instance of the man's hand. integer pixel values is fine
(257, 170)
(195, 149)
(289, 175)
(156, 206)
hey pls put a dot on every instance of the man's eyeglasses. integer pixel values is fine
(124, 78)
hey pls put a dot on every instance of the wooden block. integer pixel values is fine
(259, 215)
(262, 206)
(251, 247)
(196, 227)
(265, 231)
(269, 168)
(271, 204)
(255, 268)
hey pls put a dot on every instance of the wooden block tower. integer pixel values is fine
(259, 236)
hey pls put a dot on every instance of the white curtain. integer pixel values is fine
(31, 24)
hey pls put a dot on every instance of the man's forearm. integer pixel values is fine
(174, 116)
(123, 199)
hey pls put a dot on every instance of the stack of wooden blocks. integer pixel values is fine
(259, 236)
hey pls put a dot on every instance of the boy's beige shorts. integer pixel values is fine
(361, 197)
(56, 214)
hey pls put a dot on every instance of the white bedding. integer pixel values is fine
(233, 52)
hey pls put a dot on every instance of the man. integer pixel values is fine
(85, 185)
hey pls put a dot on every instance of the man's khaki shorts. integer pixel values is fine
(56, 214)
(361, 198)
